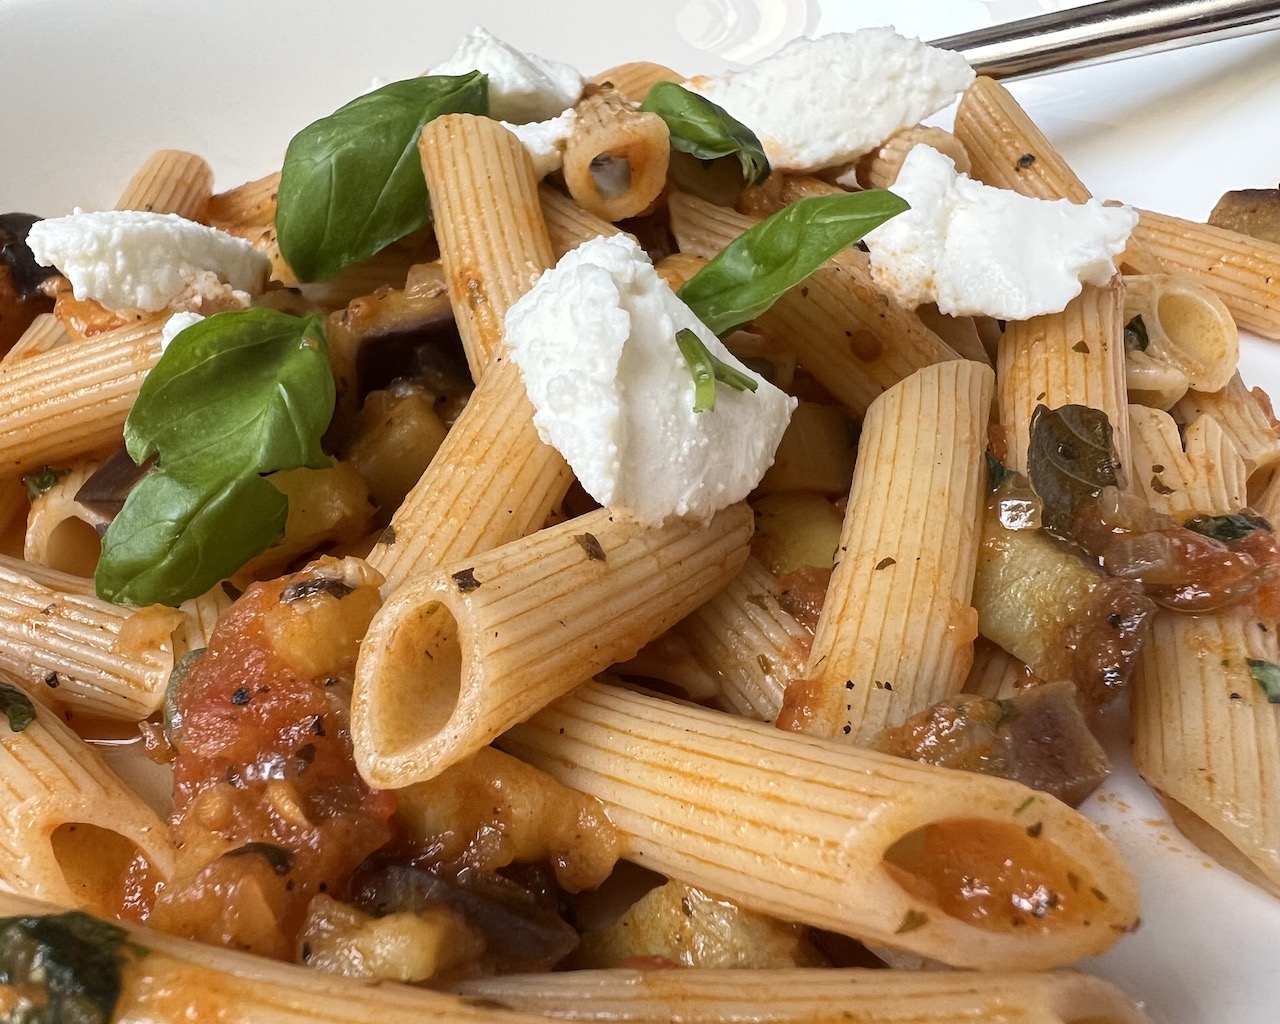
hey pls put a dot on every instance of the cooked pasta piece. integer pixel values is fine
(14, 506)
(1206, 736)
(103, 658)
(1248, 426)
(635, 78)
(740, 649)
(170, 181)
(849, 336)
(568, 224)
(896, 632)
(172, 981)
(1241, 270)
(62, 533)
(1186, 326)
(1075, 357)
(855, 996)
(46, 332)
(72, 401)
(69, 828)
(1153, 382)
(995, 674)
(488, 221)
(880, 167)
(615, 162)
(970, 870)
(457, 656)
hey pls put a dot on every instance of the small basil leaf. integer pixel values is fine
(707, 369)
(42, 481)
(175, 539)
(1135, 335)
(16, 706)
(1069, 462)
(997, 472)
(771, 257)
(352, 182)
(249, 390)
(706, 130)
(1267, 675)
(1227, 528)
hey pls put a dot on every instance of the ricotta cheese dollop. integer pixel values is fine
(978, 250)
(826, 101)
(523, 87)
(545, 140)
(130, 259)
(595, 340)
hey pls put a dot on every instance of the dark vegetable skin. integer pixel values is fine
(21, 297)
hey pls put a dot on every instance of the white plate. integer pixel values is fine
(91, 88)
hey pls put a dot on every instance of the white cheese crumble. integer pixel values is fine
(978, 250)
(130, 259)
(826, 101)
(175, 325)
(595, 339)
(545, 140)
(523, 87)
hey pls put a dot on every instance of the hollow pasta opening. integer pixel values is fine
(996, 876)
(73, 547)
(1187, 318)
(95, 862)
(427, 655)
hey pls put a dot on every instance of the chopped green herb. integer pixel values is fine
(912, 920)
(17, 707)
(236, 395)
(1267, 675)
(1069, 462)
(42, 480)
(352, 182)
(1228, 527)
(1135, 335)
(1024, 805)
(77, 961)
(707, 369)
(774, 256)
(705, 130)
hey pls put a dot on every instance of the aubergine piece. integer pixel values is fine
(1061, 615)
(1250, 211)
(1039, 737)
(21, 297)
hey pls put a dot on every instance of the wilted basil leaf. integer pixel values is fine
(16, 706)
(762, 263)
(1069, 462)
(1226, 528)
(352, 182)
(1135, 335)
(706, 130)
(997, 472)
(1267, 675)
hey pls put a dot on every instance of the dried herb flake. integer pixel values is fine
(595, 553)
(465, 580)
(912, 920)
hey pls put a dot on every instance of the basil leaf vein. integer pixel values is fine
(706, 130)
(352, 182)
(770, 258)
(236, 395)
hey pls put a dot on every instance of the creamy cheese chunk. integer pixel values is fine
(595, 339)
(523, 87)
(978, 250)
(130, 259)
(826, 101)
(544, 140)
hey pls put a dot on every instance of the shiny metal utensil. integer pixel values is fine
(1107, 31)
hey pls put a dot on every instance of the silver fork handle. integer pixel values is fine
(1107, 31)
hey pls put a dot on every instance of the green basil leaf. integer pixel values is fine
(1069, 462)
(1228, 527)
(245, 391)
(175, 539)
(771, 257)
(16, 706)
(707, 369)
(76, 959)
(706, 130)
(997, 471)
(352, 182)
(1267, 675)
(42, 481)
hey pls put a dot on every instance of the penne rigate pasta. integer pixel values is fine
(896, 632)
(170, 181)
(879, 169)
(62, 533)
(1238, 412)
(615, 162)
(635, 78)
(46, 332)
(457, 656)
(835, 836)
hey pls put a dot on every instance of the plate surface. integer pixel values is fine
(90, 89)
